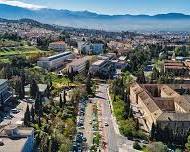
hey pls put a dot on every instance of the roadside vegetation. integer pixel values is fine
(119, 90)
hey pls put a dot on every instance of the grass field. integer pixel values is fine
(27, 51)
(24, 50)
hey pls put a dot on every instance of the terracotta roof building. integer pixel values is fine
(168, 105)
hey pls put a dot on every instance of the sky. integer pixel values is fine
(112, 7)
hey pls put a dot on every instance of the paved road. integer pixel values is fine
(115, 142)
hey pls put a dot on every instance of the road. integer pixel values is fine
(115, 142)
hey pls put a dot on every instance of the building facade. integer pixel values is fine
(162, 104)
(57, 46)
(55, 61)
(78, 65)
(5, 92)
(103, 67)
(17, 139)
(91, 48)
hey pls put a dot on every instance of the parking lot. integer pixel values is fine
(15, 114)
(80, 140)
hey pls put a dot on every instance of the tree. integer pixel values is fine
(89, 84)
(34, 89)
(27, 116)
(71, 74)
(155, 74)
(64, 97)
(153, 132)
(60, 101)
(32, 114)
(87, 67)
(156, 147)
(136, 145)
(23, 79)
(187, 145)
(19, 88)
(141, 76)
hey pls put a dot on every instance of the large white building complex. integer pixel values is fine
(55, 61)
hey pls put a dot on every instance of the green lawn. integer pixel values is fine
(25, 50)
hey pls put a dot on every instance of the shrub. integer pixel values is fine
(136, 145)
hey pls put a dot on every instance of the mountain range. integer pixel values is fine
(86, 19)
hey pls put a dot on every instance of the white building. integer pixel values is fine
(16, 139)
(78, 65)
(55, 61)
(57, 46)
(5, 93)
(91, 48)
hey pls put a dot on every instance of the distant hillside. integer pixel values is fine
(85, 19)
(32, 23)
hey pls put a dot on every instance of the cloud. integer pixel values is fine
(21, 4)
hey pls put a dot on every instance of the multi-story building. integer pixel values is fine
(103, 66)
(57, 46)
(167, 105)
(177, 68)
(5, 93)
(55, 61)
(78, 65)
(91, 48)
(16, 139)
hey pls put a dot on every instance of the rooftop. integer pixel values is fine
(76, 62)
(59, 55)
(58, 42)
(172, 116)
(14, 142)
(99, 62)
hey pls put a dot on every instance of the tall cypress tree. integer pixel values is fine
(71, 74)
(87, 67)
(23, 79)
(64, 97)
(34, 89)
(153, 132)
(32, 114)
(60, 101)
(89, 84)
(27, 117)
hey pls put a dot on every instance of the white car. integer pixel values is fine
(106, 124)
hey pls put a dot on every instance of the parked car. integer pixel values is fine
(106, 124)
(15, 111)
